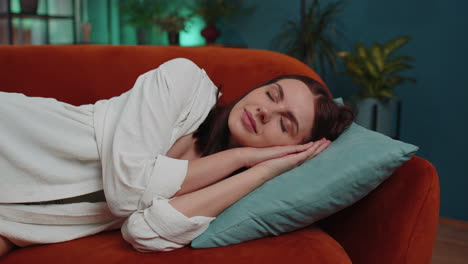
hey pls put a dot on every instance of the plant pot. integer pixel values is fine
(210, 33)
(86, 32)
(379, 115)
(173, 37)
(28, 6)
(141, 36)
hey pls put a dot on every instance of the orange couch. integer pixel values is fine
(396, 223)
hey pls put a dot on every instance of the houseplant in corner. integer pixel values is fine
(314, 39)
(375, 71)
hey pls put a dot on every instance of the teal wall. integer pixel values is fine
(434, 115)
(97, 14)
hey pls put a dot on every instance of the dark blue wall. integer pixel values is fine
(434, 114)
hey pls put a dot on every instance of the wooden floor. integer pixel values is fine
(451, 246)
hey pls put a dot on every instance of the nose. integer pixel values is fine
(263, 114)
(266, 113)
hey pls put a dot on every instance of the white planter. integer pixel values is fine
(377, 115)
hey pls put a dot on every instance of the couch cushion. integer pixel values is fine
(308, 245)
(83, 74)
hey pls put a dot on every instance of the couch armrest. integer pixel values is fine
(395, 223)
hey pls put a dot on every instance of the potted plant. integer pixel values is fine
(172, 24)
(211, 11)
(144, 14)
(313, 40)
(375, 70)
(140, 14)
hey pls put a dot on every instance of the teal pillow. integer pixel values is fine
(352, 166)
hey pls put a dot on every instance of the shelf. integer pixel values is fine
(50, 26)
(24, 15)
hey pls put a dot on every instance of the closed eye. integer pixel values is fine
(289, 114)
(269, 96)
(283, 127)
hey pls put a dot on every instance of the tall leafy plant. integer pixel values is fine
(375, 69)
(212, 11)
(314, 40)
(141, 13)
(145, 14)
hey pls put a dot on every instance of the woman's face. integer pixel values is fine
(281, 113)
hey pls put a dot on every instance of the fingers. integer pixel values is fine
(300, 152)
(290, 149)
(314, 149)
(257, 155)
(303, 147)
(316, 145)
(320, 147)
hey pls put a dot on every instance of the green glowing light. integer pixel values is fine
(193, 37)
(15, 6)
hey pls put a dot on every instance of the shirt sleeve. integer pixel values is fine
(138, 178)
(176, 96)
(162, 228)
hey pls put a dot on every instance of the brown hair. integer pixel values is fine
(330, 121)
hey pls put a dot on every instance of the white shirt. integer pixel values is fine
(133, 133)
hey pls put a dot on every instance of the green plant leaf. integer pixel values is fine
(287, 39)
(385, 94)
(361, 50)
(391, 46)
(212, 10)
(371, 69)
(377, 57)
(313, 42)
(327, 50)
(396, 68)
(374, 70)
(399, 60)
(393, 81)
(342, 54)
(397, 80)
(354, 68)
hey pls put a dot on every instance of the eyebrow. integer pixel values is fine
(288, 113)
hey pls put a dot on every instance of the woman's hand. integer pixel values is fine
(252, 156)
(279, 165)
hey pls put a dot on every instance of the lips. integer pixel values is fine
(249, 121)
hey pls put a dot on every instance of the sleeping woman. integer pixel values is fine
(160, 161)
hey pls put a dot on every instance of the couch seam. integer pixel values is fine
(413, 229)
